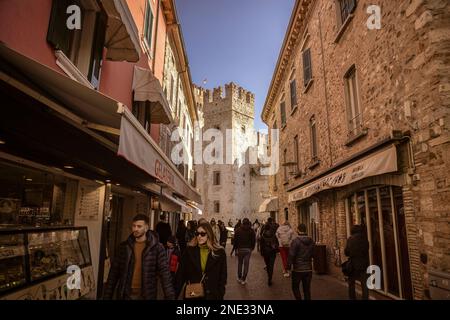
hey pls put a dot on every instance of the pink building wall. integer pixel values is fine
(24, 26)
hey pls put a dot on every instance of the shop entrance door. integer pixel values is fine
(380, 210)
(114, 226)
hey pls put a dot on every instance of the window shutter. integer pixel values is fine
(351, 6)
(58, 35)
(283, 113)
(307, 66)
(97, 49)
(293, 94)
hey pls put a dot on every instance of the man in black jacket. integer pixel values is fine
(300, 259)
(141, 258)
(357, 249)
(244, 242)
(269, 247)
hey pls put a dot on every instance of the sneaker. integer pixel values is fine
(243, 282)
(286, 274)
(239, 280)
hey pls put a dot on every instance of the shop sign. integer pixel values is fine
(382, 162)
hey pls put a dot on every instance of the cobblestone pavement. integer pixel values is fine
(323, 286)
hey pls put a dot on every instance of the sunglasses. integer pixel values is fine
(203, 234)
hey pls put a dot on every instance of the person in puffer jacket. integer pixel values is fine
(285, 235)
(300, 260)
(141, 259)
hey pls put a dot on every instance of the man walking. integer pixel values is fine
(163, 229)
(357, 249)
(300, 260)
(269, 247)
(244, 241)
(140, 259)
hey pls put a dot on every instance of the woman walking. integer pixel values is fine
(244, 241)
(203, 262)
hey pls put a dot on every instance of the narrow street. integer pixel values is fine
(323, 287)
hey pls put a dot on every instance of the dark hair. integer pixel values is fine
(141, 217)
(357, 229)
(269, 220)
(246, 222)
(172, 239)
(302, 228)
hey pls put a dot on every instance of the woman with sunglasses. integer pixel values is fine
(204, 260)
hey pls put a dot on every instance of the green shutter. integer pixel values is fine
(58, 35)
(148, 24)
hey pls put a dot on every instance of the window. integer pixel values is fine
(141, 110)
(83, 47)
(283, 113)
(148, 26)
(216, 178)
(284, 165)
(313, 130)
(30, 197)
(354, 114)
(346, 7)
(216, 206)
(296, 156)
(307, 69)
(293, 90)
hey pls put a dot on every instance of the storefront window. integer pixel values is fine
(386, 231)
(35, 198)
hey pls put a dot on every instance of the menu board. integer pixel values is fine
(89, 203)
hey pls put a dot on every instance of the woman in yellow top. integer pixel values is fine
(204, 259)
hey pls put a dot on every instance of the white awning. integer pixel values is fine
(383, 161)
(183, 207)
(146, 87)
(269, 204)
(196, 209)
(122, 35)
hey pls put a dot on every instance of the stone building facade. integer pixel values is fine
(231, 186)
(364, 123)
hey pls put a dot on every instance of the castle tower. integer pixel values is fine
(226, 187)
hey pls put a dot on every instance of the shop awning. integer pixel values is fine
(122, 35)
(383, 161)
(269, 204)
(196, 209)
(146, 87)
(94, 110)
(183, 207)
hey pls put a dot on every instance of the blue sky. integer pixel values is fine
(234, 40)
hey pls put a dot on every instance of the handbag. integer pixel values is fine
(347, 268)
(195, 290)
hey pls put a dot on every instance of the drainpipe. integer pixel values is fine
(156, 35)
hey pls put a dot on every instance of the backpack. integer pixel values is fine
(269, 239)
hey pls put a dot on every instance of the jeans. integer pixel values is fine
(269, 259)
(305, 279)
(362, 277)
(243, 259)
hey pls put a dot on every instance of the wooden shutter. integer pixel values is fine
(351, 6)
(58, 35)
(283, 113)
(97, 49)
(293, 94)
(307, 66)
